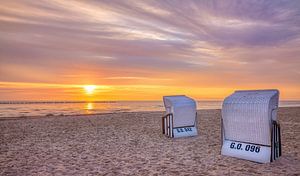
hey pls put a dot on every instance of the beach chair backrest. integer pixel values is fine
(247, 116)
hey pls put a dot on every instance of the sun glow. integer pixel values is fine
(89, 89)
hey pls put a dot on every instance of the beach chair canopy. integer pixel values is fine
(248, 115)
(183, 109)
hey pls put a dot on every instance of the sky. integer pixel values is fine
(142, 50)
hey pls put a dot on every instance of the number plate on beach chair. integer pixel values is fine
(184, 132)
(246, 151)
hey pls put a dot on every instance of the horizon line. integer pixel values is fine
(95, 101)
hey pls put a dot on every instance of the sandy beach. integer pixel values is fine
(132, 144)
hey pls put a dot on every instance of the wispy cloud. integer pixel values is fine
(170, 43)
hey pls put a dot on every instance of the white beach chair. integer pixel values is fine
(181, 116)
(249, 126)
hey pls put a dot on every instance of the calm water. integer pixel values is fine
(72, 108)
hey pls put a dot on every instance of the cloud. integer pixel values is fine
(212, 43)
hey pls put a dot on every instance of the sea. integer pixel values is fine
(55, 108)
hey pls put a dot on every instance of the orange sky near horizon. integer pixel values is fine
(143, 50)
(69, 92)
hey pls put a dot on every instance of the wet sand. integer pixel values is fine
(132, 144)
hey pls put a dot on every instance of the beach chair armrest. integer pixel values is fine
(165, 126)
(166, 115)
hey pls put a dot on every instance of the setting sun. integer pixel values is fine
(89, 89)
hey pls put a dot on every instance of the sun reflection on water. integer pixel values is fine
(88, 107)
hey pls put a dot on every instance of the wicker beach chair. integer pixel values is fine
(250, 129)
(181, 117)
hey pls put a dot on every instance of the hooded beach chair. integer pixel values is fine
(250, 129)
(181, 116)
